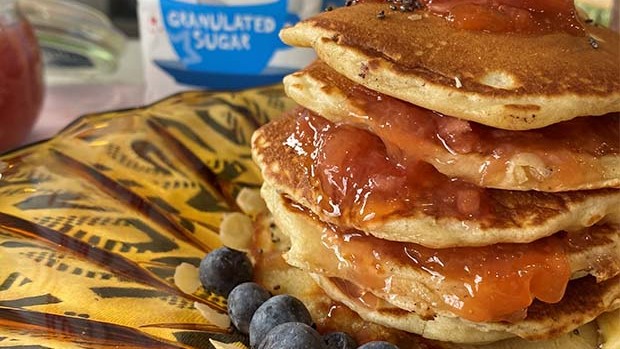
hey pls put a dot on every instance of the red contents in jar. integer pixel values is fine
(21, 82)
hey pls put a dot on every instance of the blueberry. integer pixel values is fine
(378, 345)
(339, 340)
(243, 301)
(275, 311)
(223, 269)
(292, 335)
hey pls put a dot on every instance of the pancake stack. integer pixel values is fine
(453, 183)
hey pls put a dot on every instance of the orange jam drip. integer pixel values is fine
(512, 16)
(490, 283)
(358, 181)
(568, 148)
(482, 284)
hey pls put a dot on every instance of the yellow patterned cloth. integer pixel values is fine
(94, 222)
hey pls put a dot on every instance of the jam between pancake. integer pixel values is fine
(482, 284)
(563, 155)
(356, 179)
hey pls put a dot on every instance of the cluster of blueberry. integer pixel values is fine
(271, 322)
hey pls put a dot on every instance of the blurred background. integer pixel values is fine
(101, 54)
(123, 13)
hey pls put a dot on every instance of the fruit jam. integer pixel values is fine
(21, 81)
(520, 16)
(568, 152)
(358, 181)
(482, 284)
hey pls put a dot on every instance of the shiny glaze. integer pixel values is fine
(568, 149)
(502, 16)
(488, 283)
(359, 180)
(512, 16)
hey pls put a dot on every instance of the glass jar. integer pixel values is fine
(78, 43)
(21, 76)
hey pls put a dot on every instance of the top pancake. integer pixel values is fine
(512, 81)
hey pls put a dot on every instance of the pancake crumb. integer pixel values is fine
(415, 17)
(457, 82)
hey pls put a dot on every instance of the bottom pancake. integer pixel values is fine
(581, 301)
(276, 275)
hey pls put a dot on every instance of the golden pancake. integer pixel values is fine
(513, 216)
(280, 278)
(509, 81)
(551, 159)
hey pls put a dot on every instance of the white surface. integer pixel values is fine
(64, 103)
(67, 98)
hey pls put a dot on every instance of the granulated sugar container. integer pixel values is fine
(219, 44)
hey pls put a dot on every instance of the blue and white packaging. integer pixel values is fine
(219, 44)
